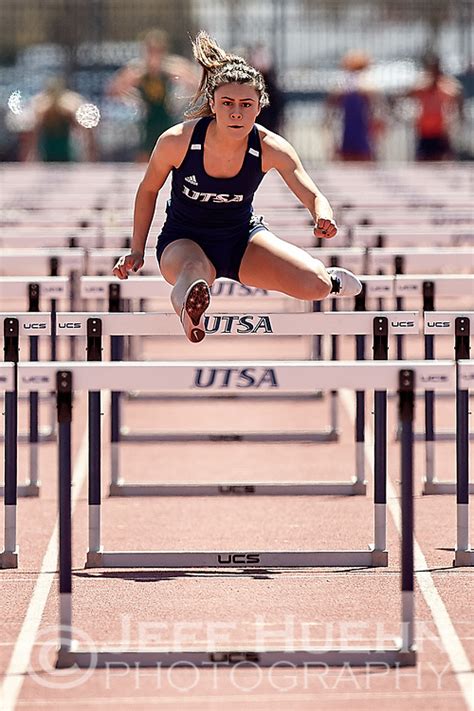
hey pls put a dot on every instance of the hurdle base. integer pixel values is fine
(357, 657)
(9, 559)
(48, 434)
(237, 560)
(329, 435)
(463, 558)
(143, 396)
(436, 487)
(379, 557)
(317, 488)
(28, 490)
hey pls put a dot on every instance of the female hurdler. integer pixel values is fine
(217, 160)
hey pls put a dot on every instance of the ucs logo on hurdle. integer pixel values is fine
(238, 558)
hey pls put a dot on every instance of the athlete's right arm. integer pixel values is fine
(168, 152)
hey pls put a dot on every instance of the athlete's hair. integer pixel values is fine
(220, 68)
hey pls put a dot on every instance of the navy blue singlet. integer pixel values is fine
(216, 213)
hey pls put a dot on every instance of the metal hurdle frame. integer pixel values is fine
(405, 377)
(463, 554)
(379, 326)
(457, 325)
(14, 327)
(32, 289)
(8, 385)
(296, 377)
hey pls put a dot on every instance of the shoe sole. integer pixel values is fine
(197, 301)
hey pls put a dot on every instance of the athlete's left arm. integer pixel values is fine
(279, 154)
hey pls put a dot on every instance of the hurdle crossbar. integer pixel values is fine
(408, 376)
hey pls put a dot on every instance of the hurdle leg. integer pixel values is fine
(380, 339)
(94, 427)
(94, 354)
(9, 557)
(32, 487)
(64, 407)
(430, 484)
(406, 417)
(360, 484)
(463, 554)
(116, 353)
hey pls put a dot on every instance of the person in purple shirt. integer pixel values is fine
(356, 101)
(217, 160)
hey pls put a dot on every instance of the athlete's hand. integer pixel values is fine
(325, 228)
(128, 263)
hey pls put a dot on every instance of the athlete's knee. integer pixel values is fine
(314, 286)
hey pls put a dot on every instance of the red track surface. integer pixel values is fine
(139, 607)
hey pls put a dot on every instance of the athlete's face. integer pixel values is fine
(236, 106)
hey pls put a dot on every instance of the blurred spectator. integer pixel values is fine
(54, 116)
(150, 81)
(439, 99)
(358, 104)
(270, 116)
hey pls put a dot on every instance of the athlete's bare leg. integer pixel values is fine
(182, 263)
(271, 263)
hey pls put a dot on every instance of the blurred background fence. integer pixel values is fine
(86, 41)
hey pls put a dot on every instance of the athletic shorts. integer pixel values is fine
(224, 249)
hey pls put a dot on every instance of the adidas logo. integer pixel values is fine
(191, 179)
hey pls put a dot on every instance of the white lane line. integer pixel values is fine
(455, 651)
(20, 659)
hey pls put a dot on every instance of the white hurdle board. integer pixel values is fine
(396, 236)
(411, 285)
(254, 324)
(421, 259)
(16, 287)
(155, 287)
(24, 262)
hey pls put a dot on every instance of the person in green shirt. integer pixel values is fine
(55, 118)
(151, 79)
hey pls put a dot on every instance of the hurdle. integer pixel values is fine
(282, 376)
(456, 324)
(383, 235)
(377, 325)
(224, 292)
(15, 326)
(33, 290)
(8, 384)
(464, 554)
(403, 377)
